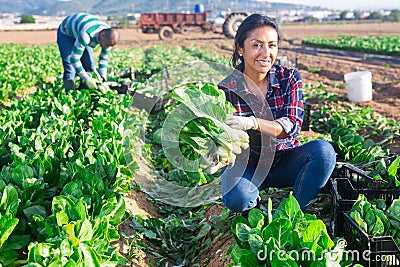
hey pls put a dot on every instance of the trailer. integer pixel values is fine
(166, 24)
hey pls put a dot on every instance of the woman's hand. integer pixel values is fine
(242, 123)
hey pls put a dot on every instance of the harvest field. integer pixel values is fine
(75, 168)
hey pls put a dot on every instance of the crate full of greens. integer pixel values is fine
(378, 174)
(385, 170)
(373, 229)
(344, 193)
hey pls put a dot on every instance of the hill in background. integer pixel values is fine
(123, 7)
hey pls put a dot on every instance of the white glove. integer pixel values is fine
(92, 83)
(242, 123)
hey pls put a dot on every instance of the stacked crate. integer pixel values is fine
(349, 182)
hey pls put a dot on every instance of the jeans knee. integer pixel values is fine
(325, 151)
(231, 204)
(240, 198)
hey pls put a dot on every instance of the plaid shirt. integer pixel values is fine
(283, 103)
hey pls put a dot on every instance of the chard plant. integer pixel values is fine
(286, 238)
(387, 171)
(195, 121)
(375, 219)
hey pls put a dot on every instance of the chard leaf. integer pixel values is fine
(81, 210)
(65, 204)
(18, 241)
(370, 218)
(70, 230)
(256, 242)
(35, 210)
(235, 222)
(316, 238)
(7, 224)
(65, 248)
(7, 257)
(58, 263)
(243, 231)
(394, 213)
(86, 231)
(377, 229)
(394, 167)
(204, 230)
(289, 209)
(359, 220)
(62, 218)
(9, 200)
(301, 225)
(90, 257)
(281, 230)
(384, 219)
(248, 260)
(114, 209)
(256, 218)
(237, 253)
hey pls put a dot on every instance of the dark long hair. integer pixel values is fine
(252, 22)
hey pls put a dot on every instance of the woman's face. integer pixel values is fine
(259, 51)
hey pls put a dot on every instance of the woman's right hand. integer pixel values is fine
(242, 123)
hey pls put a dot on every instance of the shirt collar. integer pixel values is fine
(235, 81)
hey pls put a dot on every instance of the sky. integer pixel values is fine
(348, 4)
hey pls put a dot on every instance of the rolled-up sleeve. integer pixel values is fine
(293, 108)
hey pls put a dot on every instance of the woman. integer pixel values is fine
(269, 103)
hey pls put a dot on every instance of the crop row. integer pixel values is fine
(381, 45)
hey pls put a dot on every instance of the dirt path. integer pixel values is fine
(289, 31)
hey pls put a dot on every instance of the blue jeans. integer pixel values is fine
(307, 168)
(65, 45)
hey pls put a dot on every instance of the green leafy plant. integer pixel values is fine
(385, 171)
(276, 239)
(375, 219)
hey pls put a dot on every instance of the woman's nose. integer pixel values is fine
(264, 50)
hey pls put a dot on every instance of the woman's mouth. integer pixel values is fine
(263, 63)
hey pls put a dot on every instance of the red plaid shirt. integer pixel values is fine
(283, 103)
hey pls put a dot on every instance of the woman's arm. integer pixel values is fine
(271, 128)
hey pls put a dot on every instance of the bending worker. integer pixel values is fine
(77, 35)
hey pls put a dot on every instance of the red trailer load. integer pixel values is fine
(166, 24)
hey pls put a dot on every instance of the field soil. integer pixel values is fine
(315, 65)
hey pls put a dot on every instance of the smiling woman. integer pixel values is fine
(269, 103)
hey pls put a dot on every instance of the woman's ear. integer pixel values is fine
(240, 51)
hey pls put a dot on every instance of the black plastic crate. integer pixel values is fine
(370, 166)
(151, 104)
(361, 178)
(121, 88)
(344, 194)
(153, 96)
(373, 251)
(127, 73)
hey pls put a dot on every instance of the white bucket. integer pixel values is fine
(359, 86)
